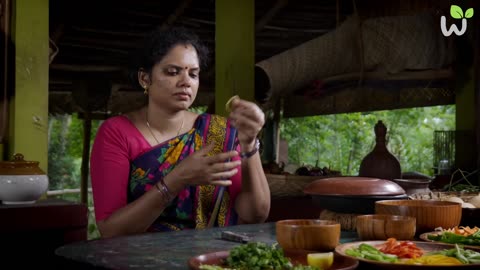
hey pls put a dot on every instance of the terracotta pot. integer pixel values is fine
(380, 162)
(21, 181)
(412, 186)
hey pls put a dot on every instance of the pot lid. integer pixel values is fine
(353, 186)
(19, 166)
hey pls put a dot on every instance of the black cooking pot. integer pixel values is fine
(351, 204)
(352, 194)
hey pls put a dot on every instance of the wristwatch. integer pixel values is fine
(251, 153)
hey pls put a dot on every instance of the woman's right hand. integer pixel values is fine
(201, 169)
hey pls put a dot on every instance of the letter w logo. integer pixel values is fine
(457, 13)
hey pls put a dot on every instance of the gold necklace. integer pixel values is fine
(153, 135)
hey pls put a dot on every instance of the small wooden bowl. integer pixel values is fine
(308, 234)
(429, 214)
(382, 227)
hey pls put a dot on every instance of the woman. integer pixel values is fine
(164, 168)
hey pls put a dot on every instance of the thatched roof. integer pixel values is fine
(94, 38)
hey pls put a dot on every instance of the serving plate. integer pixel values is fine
(295, 256)
(425, 246)
(424, 237)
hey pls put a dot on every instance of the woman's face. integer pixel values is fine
(173, 82)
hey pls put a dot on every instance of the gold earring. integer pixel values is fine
(145, 91)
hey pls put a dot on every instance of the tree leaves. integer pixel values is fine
(341, 141)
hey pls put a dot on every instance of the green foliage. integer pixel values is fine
(341, 141)
(65, 148)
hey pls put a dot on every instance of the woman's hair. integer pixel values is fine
(158, 43)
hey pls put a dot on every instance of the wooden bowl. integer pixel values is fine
(382, 227)
(308, 234)
(429, 214)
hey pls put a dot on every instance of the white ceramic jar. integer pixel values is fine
(21, 181)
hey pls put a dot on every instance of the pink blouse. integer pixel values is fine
(117, 143)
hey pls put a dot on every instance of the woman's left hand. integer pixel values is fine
(248, 119)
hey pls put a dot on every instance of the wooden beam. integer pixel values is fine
(270, 14)
(363, 99)
(107, 32)
(404, 75)
(278, 28)
(173, 17)
(94, 48)
(106, 42)
(87, 68)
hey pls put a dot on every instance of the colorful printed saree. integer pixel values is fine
(193, 206)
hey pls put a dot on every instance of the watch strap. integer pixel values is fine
(253, 152)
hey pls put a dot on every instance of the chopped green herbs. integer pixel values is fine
(257, 256)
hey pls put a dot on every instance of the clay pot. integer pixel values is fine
(380, 162)
(412, 186)
(21, 181)
(352, 194)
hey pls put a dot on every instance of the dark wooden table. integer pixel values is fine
(170, 250)
(30, 233)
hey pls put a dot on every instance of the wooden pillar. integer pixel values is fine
(476, 79)
(28, 108)
(234, 51)
(85, 171)
(466, 105)
(5, 74)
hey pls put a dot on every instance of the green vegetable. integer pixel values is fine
(466, 256)
(452, 238)
(370, 253)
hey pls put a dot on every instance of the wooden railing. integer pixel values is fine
(59, 192)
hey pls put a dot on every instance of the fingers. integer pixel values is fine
(222, 157)
(224, 166)
(248, 110)
(247, 117)
(223, 183)
(224, 175)
(248, 125)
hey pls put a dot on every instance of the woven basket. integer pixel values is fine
(289, 185)
(348, 221)
(443, 195)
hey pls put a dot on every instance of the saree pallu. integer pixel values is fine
(193, 206)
